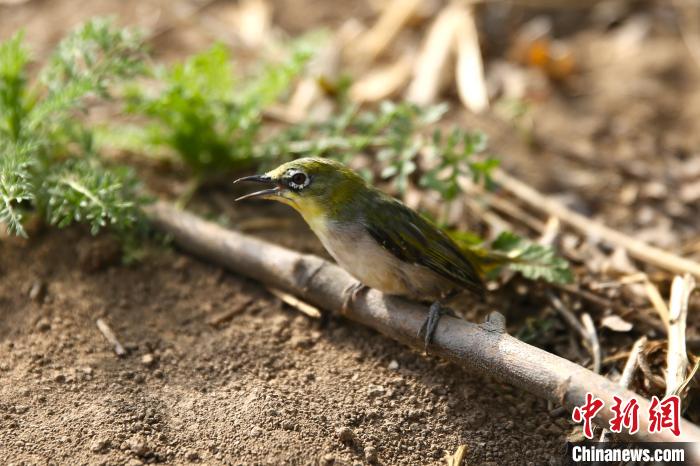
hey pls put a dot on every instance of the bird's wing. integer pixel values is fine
(413, 239)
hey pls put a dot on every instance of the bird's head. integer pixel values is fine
(313, 186)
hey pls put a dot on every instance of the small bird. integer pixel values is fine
(376, 238)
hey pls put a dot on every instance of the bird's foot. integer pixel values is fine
(350, 295)
(495, 322)
(427, 330)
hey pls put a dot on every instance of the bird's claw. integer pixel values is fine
(350, 295)
(427, 330)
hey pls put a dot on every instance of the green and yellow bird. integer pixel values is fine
(380, 241)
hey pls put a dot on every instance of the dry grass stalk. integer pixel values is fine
(592, 338)
(458, 457)
(298, 304)
(433, 59)
(471, 83)
(109, 335)
(376, 40)
(628, 373)
(324, 65)
(632, 362)
(585, 328)
(638, 249)
(252, 22)
(677, 356)
(383, 82)
(657, 301)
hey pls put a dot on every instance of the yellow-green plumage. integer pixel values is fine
(376, 238)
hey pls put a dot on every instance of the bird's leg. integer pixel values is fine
(350, 295)
(427, 330)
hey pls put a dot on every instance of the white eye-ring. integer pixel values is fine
(298, 179)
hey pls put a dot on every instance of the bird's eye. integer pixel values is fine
(298, 180)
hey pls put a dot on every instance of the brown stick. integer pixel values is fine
(469, 345)
(109, 335)
(636, 248)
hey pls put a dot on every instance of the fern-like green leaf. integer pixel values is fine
(533, 260)
(13, 80)
(15, 184)
(85, 191)
(86, 62)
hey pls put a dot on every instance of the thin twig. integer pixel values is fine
(636, 248)
(474, 347)
(511, 209)
(110, 337)
(592, 338)
(690, 377)
(550, 233)
(632, 362)
(298, 304)
(627, 373)
(657, 301)
(677, 356)
(646, 370)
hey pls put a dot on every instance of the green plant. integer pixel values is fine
(47, 160)
(211, 121)
(396, 133)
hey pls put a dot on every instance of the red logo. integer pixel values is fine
(627, 416)
(663, 414)
(587, 412)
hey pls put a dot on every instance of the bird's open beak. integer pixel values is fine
(263, 194)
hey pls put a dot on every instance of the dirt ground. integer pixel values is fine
(219, 371)
(267, 384)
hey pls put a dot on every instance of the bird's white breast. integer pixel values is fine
(356, 251)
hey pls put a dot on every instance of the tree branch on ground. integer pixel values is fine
(468, 345)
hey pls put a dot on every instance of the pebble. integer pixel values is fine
(137, 445)
(148, 360)
(99, 445)
(288, 425)
(393, 365)
(38, 291)
(43, 325)
(21, 409)
(345, 435)
(375, 390)
(370, 454)
(192, 456)
(256, 432)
